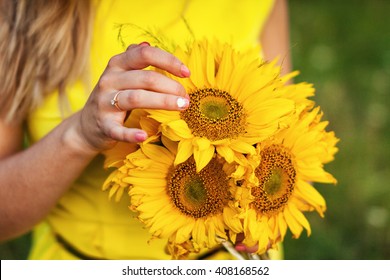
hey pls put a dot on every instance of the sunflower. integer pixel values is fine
(236, 100)
(181, 251)
(240, 159)
(281, 188)
(121, 158)
(178, 203)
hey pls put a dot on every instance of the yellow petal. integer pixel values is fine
(263, 242)
(199, 232)
(184, 233)
(254, 225)
(181, 129)
(201, 144)
(242, 147)
(113, 190)
(211, 234)
(210, 66)
(203, 157)
(163, 116)
(119, 194)
(169, 144)
(167, 224)
(295, 227)
(156, 205)
(289, 76)
(146, 214)
(282, 225)
(149, 125)
(270, 111)
(315, 174)
(108, 182)
(144, 181)
(157, 153)
(273, 227)
(299, 217)
(224, 70)
(150, 173)
(116, 155)
(311, 195)
(232, 222)
(226, 153)
(184, 151)
(196, 64)
(220, 227)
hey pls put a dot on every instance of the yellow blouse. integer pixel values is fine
(84, 220)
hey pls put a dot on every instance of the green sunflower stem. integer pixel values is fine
(230, 248)
(238, 255)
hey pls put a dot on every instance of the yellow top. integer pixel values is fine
(84, 217)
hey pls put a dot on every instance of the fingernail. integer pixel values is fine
(182, 102)
(185, 72)
(240, 247)
(140, 136)
(144, 44)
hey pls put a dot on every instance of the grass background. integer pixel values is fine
(343, 48)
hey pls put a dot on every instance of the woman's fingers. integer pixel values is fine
(139, 88)
(141, 79)
(241, 247)
(132, 99)
(120, 133)
(140, 56)
(126, 85)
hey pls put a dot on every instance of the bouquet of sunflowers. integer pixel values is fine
(239, 160)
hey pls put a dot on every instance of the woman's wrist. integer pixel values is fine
(73, 139)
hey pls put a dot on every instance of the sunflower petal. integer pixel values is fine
(157, 153)
(243, 147)
(295, 227)
(210, 66)
(180, 128)
(226, 153)
(184, 233)
(196, 64)
(282, 225)
(199, 233)
(184, 151)
(203, 157)
(300, 218)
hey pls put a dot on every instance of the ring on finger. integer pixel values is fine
(114, 101)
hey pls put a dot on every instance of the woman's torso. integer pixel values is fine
(84, 217)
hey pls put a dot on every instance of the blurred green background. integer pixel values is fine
(343, 48)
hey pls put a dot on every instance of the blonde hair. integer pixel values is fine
(43, 46)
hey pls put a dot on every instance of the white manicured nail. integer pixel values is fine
(182, 102)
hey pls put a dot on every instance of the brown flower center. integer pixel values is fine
(214, 114)
(199, 194)
(276, 174)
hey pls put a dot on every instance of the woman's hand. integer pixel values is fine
(241, 247)
(125, 78)
(45, 170)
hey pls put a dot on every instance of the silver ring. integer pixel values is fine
(114, 101)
